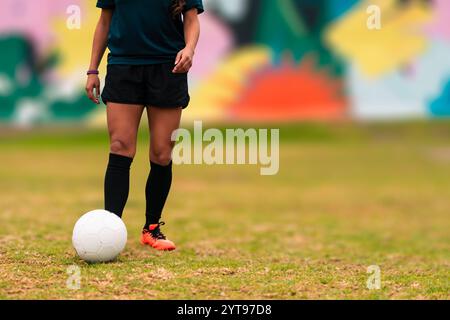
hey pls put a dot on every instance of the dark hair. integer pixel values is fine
(177, 7)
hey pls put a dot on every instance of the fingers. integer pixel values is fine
(90, 93)
(183, 62)
(97, 92)
(183, 65)
(90, 86)
(178, 58)
(177, 61)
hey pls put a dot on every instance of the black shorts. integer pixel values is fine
(148, 85)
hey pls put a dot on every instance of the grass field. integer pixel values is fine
(347, 197)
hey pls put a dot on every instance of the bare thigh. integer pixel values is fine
(162, 123)
(123, 125)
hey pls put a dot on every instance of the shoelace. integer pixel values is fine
(156, 233)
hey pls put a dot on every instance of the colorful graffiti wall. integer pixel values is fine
(257, 60)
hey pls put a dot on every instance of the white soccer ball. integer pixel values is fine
(99, 236)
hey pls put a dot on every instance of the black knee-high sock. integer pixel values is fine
(117, 183)
(156, 191)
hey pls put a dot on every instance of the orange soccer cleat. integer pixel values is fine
(156, 239)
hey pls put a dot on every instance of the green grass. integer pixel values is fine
(346, 197)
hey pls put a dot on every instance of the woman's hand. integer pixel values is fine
(184, 60)
(93, 82)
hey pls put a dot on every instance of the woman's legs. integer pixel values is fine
(123, 124)
(162, 123)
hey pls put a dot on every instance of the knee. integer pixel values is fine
(123, 147)
(161, 156)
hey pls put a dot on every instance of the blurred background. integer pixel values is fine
(258, 60)
(364, 155)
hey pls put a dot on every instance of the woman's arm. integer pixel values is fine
(184, 59)
(98, 50)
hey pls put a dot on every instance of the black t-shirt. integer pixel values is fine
(145, 31)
